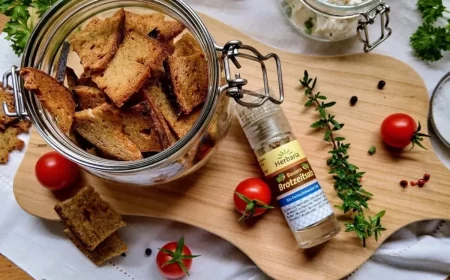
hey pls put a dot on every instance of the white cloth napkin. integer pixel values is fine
(419, 251)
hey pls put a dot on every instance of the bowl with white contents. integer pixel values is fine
(439, 110)
(338, 20)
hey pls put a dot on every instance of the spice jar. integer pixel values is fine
(337, 20)
(289, 174)
(189, 153)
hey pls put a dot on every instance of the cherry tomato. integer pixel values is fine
(55, 172)
(252, 198)
(398, 130)
(174, 260)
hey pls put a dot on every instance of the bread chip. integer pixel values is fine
(168, 29)
(189, 77)
(111, 247)
(187, 46)
(89, 218)
(71, 78)
(130, 68)
(88, 97)
(56, 98)
(97, 43)
(23, 126)
(138, 126)
(9, 142)
(102, 127)
(8, 97)
(179, 124)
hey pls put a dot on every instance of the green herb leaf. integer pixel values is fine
(372, 150)
(431, 10)
(429, 41)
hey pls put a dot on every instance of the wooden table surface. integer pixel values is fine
(8, 270)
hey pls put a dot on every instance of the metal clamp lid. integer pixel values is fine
(234, 86)
(368, 19)
(20, 112)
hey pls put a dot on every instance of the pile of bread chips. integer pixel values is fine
(144, 84)
(91, 224)
(10, 127)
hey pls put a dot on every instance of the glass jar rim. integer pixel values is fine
(52, 25)
(340, 11)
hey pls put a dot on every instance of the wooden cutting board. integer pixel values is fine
(204, 199)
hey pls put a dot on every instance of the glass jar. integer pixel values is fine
(189, 153)
(337, 20)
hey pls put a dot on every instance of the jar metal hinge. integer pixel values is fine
(20, 111)
(234, 86)
(369, 19)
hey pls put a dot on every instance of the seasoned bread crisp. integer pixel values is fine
(138, 126)
(165, 29)
(8, 97)
(56, 98)
(179, 124)
(88, 97)
(71, 78)
(89, 217)
(189, 77)
(9, 142)
(97, 43)
(130, 68)
(111, 247)
(102, 127)
(186, 46)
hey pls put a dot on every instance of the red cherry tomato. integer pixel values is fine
(398, 130)
(174, 260)
(254, 191)
(55, 172)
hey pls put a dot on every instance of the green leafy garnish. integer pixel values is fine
(372, 150)
(347, 177)
(309, 24)
(430, 39)
(21, 23)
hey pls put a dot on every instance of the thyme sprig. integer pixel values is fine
(347, 177)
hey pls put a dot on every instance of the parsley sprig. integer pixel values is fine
(347, 177)
(431, 39)
(22, 19)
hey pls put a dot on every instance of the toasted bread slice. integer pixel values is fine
(97, 43)
(8, 97)
(165, 29)
(130, 68)
(89, 217)
(138, 126)
(56, 98)
(189, 77)
(102, 127)
(186, 46)
(179, 124)
(9, 142)
(111, 247)
(88, 97)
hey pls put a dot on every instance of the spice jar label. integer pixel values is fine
(294, 183)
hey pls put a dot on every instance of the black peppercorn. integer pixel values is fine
(381, 84)
(353, 100)
(148, 252)
(404, 183)
(124, 255)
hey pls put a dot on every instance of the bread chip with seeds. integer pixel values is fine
(189, 77)
(89, 217)
(138, 126)
(88, 97)
(179, 124)
(97, 43)
(111, 247)
(168, 29)
(56, 98)
(102, 127)
(8, 97)
(130, 67)
(9, 142)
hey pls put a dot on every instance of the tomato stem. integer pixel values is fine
(251, 206)
(177, 256)
(417, 138)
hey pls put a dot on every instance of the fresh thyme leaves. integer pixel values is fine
(347, 177)
(22, 19)
(309, 24)
(431, 39)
